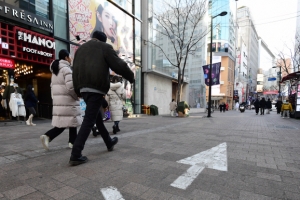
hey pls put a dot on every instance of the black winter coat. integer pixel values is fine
(269, 104)
(30, 99)
(91, 65)
(262, 103)
(256, 104)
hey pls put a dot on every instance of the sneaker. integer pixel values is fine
(94, 130)
(114, 141)
(77, 161)
(282, 117)
(32, 124)
(28, 122)
(70, 145)
(45, 141)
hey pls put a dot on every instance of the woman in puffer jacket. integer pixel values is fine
(115, 101)
(66, 108)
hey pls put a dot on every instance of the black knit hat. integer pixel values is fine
(100, 36)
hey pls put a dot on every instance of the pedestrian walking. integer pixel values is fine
(286, 108)
(173, 106)
(256, 105)
(268, 106)
(115, 97)
(262, 105)
(66, 107)
(92, 62)
(237, 105)
(278, 106)
(30, 103)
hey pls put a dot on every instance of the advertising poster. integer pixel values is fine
(89, 16)
(85, 17)
(215, 74)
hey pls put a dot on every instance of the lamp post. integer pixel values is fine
(210, 68)
(279, 92)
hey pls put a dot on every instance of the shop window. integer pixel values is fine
(38, 7)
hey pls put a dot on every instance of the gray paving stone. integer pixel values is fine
(47, 187)
(268, 176)
(244, 195)
(135, 189)
(63, 193)
(19, 192)
(292, 195)
(155, 194)
(64, 176)
(199, 194)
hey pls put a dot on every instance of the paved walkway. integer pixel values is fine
(245, 157)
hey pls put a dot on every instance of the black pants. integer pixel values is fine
(92, 115)
(53, 133)
(262, 111)
(256, 110)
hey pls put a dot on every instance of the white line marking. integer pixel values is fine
(214, 158)
(111, 193)
(186, 179)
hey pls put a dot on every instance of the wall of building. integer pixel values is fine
(157, 91)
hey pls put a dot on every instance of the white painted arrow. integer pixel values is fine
(214, 158)
(111, 193)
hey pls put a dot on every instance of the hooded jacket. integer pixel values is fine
(286, 106)
(115, 101)
(92, 62)
(30, 98)
(66, 107)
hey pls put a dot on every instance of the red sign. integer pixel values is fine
(7, 63)
(271, 92)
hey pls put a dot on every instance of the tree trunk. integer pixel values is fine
(179, 86)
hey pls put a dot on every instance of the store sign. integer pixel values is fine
(17, 14)
(26, 37)
(7, 63)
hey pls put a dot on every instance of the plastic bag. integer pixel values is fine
(82, 106)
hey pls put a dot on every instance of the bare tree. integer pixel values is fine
(178, 22)
(295, 55)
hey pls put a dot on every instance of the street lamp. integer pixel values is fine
(210, 81)
(279, 93)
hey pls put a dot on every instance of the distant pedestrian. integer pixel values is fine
(278, 106)
(30, 103)
(115, 97)
(66, 106)
(237, 105)
(92, 62)
(268, 106)
(226, 106)
(256, 105)
(262, 105)
(286, 108)
(173, 106)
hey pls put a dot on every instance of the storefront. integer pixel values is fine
(27, 47)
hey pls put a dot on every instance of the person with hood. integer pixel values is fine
(256, 105)
(286, 108)
(92, 62)
(30, 103)
(114, 98)
(262, 105)
(268, 106)
(278, 106)
(66, 107)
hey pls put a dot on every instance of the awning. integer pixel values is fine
(290, 76)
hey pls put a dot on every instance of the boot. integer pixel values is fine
(114, 129)
(117, 127)
(32, 124)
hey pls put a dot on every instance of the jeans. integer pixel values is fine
(92, 115)
(53, 133)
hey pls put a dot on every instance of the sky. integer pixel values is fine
(271, 22)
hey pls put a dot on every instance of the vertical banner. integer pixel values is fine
(215, 73)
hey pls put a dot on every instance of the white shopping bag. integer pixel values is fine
(82, 107)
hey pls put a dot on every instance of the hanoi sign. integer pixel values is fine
(7, 63)
(17, 14)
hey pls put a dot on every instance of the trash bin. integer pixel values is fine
(153, 110)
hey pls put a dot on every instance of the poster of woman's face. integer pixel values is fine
(100, 15)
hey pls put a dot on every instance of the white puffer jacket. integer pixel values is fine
(66, 107)
(115, 101)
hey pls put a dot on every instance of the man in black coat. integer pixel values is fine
(278, 106)
(262, 105)
(268, 106)
(256, 105)
(92, 62)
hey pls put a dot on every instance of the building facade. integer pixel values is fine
(223, 50)
(248, 32)
(33, 32)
